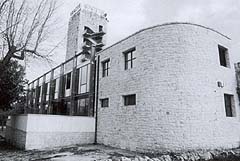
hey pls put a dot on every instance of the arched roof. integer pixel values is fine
(167, 24)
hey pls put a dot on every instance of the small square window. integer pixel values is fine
(105, 67)
(223, 56)
(105, 102)
(229, 105)
(129, 100)
(129, 57)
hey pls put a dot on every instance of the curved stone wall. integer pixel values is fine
(178, 103)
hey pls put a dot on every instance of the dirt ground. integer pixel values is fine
(104, 153)
(70, 153)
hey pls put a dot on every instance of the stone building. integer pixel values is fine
(166, 87)
(170, 87)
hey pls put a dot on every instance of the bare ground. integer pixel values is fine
(101, 152)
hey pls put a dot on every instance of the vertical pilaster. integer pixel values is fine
(43, 96)
(27, 106)
(50, 100)
(61, 87)
(73, 88)
(237, 70)
(31, 98)
(92, 81)
(36, 109)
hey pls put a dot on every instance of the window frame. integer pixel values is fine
(223, 56)
(229, 104)
(100, 28)
(68, 80)
(102, 102)
(105, 67)
(129, 57)
(128, 102)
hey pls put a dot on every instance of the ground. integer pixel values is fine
(104, 153)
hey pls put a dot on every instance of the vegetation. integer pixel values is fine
(24, 27)
(12, 84)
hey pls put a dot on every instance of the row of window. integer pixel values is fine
(128, 100)
(129, 57)
(82, 86)
(131, 100)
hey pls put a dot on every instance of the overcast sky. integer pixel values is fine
(128, 16)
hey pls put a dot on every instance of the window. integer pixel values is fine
(46, 90)
(129, 58)
(56, 88)
(68, 81)
(100, 28)
(83, 79)
(229, 105)
(104, 102)
(223, 56)
(82, 107)
(129, 100)
(105, 67)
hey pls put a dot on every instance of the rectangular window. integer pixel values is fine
(223, 56)
(229, 105)
(47, 90)
(100, 28)
(105, 67)
(68, 81)
(83, 78)
(105, 102)
(129, 100)
(82, 107)
(129, 57)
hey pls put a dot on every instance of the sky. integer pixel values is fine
(128, 16)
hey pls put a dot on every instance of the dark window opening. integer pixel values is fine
(129, 57)
(130, 100)
(82, 107)
(68, 81)
(223, 56)
(229, 105)
(105, 67)
(105, 102)
(100, 28)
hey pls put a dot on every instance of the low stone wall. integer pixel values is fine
(33, 131)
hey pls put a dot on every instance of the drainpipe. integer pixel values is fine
(96, 117)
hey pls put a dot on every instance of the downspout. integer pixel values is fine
(96, 117)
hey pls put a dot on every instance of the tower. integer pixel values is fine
(83, 18)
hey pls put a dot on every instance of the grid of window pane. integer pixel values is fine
(130, 100)
(104, 102)
(129, 58)
(82, 106)
(83, 74)
(105, 67)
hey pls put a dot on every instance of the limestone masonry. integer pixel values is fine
(178, 102)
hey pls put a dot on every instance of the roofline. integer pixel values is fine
(161, 25)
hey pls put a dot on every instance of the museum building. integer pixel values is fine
(168, 87)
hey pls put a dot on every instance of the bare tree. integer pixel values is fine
(24, 26)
